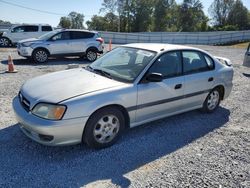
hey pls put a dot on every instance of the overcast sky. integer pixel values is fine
(16, 14)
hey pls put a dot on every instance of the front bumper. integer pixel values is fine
(48, 132)
(24, 51)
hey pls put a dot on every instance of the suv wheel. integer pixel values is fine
(91, 55)
(40, 56)
(4, 42)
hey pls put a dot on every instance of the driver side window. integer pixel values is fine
(169, 65)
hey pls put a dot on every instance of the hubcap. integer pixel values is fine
(213, 100)
(4, 42)
(91, 55)
(41, 56)
(106, 129)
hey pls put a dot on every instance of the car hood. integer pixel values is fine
(59, 86)
(31, 40)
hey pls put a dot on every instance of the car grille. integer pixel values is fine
(25, 103)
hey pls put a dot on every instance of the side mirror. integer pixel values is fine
(154, 77)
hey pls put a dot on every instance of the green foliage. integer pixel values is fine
(167, 15)
(73, 21)
(107, 23)
(4, 22)
(238, 16)
(191, 16)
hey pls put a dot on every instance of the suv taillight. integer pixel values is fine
(100, 40)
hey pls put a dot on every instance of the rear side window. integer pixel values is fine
(194, 61)
(81, 35)
(169, 65)
(46, 28)
(31, 28)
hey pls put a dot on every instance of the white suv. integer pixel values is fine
(25, 31)
(63, 42)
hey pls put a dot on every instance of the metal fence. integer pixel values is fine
(206, 38)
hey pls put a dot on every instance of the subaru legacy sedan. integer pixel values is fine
(129, 86)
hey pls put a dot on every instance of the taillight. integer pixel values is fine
(100, 40)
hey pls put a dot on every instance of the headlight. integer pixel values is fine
(26, 44)
(49, 111)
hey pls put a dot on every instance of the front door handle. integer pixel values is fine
(210, 79)
(178, 86)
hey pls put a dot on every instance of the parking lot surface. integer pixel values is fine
(187, 150)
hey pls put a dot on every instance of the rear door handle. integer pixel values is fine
(210, 79)
(178, 86)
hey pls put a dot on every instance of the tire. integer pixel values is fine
(40, 56)
(91, 55)
(212, 101)
(5, 42)
(104, 128)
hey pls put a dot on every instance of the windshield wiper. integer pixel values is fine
(99, 71)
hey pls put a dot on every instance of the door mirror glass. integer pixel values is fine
(154, 77)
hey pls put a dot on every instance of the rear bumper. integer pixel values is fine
(48, 132)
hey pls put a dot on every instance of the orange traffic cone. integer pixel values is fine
(11, 68)
(110, 44)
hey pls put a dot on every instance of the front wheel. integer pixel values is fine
(91, 55)
(104, 128)
(40, 56)
(4, 42)
(212, 101)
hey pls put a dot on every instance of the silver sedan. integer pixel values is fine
(129, 86)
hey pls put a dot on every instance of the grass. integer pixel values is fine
(240, 45)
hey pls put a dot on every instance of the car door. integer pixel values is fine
(31, 31)
(17, 33)
(198, 69)
(247, 57)
(59, 44)
(80, 40)
(158, 99)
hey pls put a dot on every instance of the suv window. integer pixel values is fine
(81, 35)
(169, 65)
(194, 61)
(61, 36)
(18, 29)
(46, 28)
(31, 28)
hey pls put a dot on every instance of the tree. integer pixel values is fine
(219, 10)
(164, 15)
(73, 21)
(238, 16)
(65, 22)
(141, 15)
(107, 23)
(191, 16)
(4, 22)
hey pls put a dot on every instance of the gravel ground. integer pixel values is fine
(188, 150)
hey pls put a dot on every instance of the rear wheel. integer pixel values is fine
(91, 55)
(40, 56)
(212, 101)
(4, 42)
(104, 128)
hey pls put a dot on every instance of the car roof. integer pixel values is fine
(82, 30)
(159, 47)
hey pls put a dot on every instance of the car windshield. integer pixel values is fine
(123, 63)
(48, 35)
